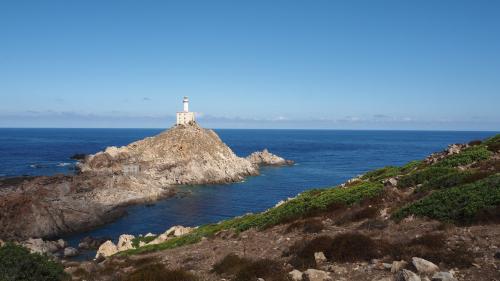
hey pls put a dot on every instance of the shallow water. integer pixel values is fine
(323, 158)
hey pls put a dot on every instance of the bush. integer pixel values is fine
(424, 175)
(17, 263)
(146, 239)
(493, 143)
(352, 247)
(247, 270)
(306, 226)
(465, 157)
(158, 272)
(475, 142)
(302, 252)
(460, 204)
(383, 173)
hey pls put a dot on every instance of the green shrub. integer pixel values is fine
(460, 204)
(266, 269)
(493, 143)
(352, 247)
(383, 173)
(18, 264)
(424, 175)
(146, 239)
(466, 157)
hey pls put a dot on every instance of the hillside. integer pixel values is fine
(433, 218)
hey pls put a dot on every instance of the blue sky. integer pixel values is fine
(251, 64)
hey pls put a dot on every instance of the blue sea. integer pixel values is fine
(323, 158)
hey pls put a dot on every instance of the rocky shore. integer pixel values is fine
(432, 219)
(143, 171)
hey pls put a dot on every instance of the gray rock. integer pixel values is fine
(407, 275)
(70, 252)
(443, 276)
(317, 275)
(319, 257)
(295, 275)
(107, 249)
(264, 158)
(398, 265)
(424, 266)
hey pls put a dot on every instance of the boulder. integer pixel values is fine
(424, 266)
(1, 243)
(391, 182)
(107, 249)
(398, 265)
(61, 244)
(443, 276)
(406, 275)
(125, 242)
(295, 275)
(40, 246)
(89, 242)
(70, 252)
(317, 275)
(319, 257)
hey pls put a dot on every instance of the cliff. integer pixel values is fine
(142, 171)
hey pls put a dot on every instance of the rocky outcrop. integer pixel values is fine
(107, 249)
(265, 158)
(142, 171)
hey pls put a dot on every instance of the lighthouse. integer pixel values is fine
(185, 117)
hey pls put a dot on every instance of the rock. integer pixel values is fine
(295, 275)
(149, 234)
(319, 257)
(78, 156)
(260, 279)
(70, 270)
(178, 230)
(454, 149)
(406, 275)
(443, 276)
(391, 182)
(70, 252)
(398, 265)
(316, 275)
(264, 158)
(424, 266)
(61, 244)
(89, 242)
(125, 242)
(1, 243)
(40, 246)
(107, 249)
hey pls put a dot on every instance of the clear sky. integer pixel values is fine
(251, 64)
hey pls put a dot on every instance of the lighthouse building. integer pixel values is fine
(185, 117)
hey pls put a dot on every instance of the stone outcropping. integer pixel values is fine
(143, 171)
(264, 158)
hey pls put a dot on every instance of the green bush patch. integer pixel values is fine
(18, 264)
(146, 239)
(466, 157)
(460, 204)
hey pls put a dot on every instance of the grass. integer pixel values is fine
(460, 204)
(304, 205)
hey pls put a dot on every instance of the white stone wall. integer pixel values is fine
(183, 118)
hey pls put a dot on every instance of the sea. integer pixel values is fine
(323, 158)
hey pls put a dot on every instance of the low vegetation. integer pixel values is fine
(243, 269)
(18, 264)
(461, 204)
(156, 272)
(466, 157)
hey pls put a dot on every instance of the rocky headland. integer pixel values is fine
(143, 171)
(431, 219)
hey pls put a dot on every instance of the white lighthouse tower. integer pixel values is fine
(185, 117)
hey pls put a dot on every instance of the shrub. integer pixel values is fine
(460, 204)
(424, 175)
(465, 157)
(358, 214)
(383, 173)
(266, 269)
(230, 264)
(244, 269)
(493, 143)
(374, 224)
(306, 226)
(158, 272)
(475, 142)
(146, 239)
(17, 263)
(302, 252)
(352, 247)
